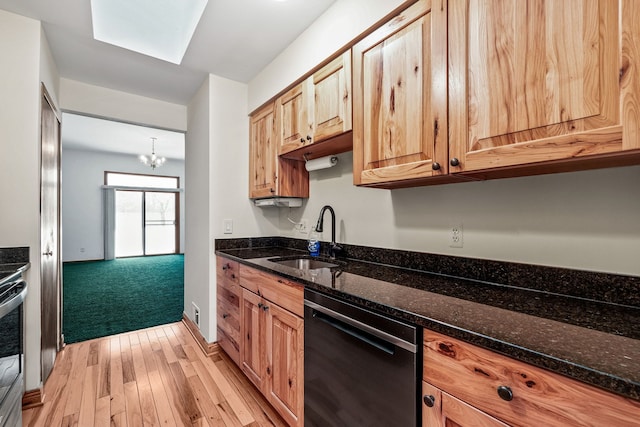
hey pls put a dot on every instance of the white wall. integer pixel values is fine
(82, 204)
(586, 220)
(218, 174)
(337, 27)
(198, 244)
(26, 62)
(102, 102)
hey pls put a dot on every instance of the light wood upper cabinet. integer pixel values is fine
(332, 103)
(400, 98)
(541, 81)
(317, 110)
(440, 409)
(293, 117)
(262, 154)
(270, 175)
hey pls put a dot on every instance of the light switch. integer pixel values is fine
(228, 226)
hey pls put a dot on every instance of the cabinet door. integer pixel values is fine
(447, 411)
(262, 154)
(331, 92)
(541, 80)
(285, 363)
(292, 113)
(400, 98)
(252, 349)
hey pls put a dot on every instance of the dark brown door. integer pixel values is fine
(50, 235)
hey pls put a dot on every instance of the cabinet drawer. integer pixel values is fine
(229, 344)
(225, 268)
(286, 294)
(474, 375)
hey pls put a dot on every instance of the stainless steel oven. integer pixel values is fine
(360, 368)
(12, 296)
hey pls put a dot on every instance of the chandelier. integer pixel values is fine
(153, 161)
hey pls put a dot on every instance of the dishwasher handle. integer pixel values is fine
(329, 316)
(356, 333)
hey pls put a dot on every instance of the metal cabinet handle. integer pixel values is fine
(224, 316)
(429, 400)
(505, 393)
(48, 253)
(265, 307)
(435, 166)
(454, 162)
(226, 267)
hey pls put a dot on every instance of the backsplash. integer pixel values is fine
(605, 287)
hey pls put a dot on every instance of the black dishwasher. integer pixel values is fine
(360, 368)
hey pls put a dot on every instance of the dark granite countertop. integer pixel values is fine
(580, 337)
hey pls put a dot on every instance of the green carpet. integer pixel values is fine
(103, 298)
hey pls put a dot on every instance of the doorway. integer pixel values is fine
(147, 214)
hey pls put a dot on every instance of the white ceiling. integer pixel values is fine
(235, 39)
(93, 134)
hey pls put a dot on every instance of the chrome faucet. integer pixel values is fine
(334, 248)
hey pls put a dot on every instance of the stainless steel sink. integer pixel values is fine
(306, 263)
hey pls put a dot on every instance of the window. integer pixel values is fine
(146, 214)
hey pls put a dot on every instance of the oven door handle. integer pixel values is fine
(8, 306)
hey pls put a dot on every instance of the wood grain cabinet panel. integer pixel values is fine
(540, 81)
(400, 98)
(270, 175)
(252, 349)
(517, 393)
(285, 363)
(228, 297)
(440, 409)
(286, 294)
(294, 119)
(272, 344)
(315, 116)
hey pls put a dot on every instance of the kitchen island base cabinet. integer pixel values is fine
(440, 409)
(272, 344)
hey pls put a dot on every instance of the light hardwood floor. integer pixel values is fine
(152, 377)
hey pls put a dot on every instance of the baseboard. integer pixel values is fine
(208, 348)
(32, 399)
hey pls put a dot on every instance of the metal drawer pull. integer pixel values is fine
(505, 393)
(429, 400)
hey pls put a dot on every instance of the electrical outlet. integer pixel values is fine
(455, 236)
(303, 226)
(228, 226)
(196, 314)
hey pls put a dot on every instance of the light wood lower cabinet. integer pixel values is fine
(228, 307)
(515, 392)
(272, 345)
(440, 409)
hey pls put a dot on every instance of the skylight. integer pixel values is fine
(158, 28)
